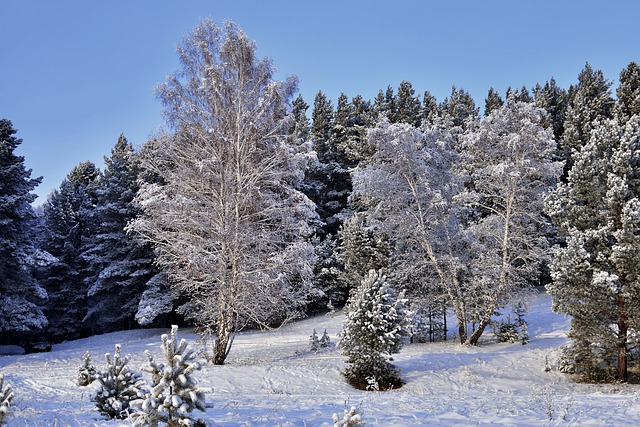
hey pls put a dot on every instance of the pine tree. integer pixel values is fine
(69, 228)
(119, 386)
(21, 296)
(588, 102)
(120, 264)
(174, 393)
(628, 92)
(459, 108)
(492, 102)
(375, 328)
(595, 276)
(429, 108)
(553, 100)
(314, 342)
(6, 395)
(408, 108)
(351, 418)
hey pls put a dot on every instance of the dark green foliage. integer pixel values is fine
(20, 295)
(69, 227)
(407, 106)
(492, 102)
(429, 108)
(120, 265)
(375, 328)
(628, 92)
(553, 100)
(87, 372)
(458, 108)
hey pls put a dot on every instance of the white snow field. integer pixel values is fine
(271, 379)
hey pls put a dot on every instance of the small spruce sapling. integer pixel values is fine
(118, 386)
(6, 394)
(351, 418)
(314, 342)
(375, 328)
(87, 372)
(174, 393)
(325, 341)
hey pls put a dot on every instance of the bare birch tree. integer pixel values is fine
(227, 222)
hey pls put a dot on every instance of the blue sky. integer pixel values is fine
(76, 74)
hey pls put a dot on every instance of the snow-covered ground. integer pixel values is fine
(272, 379)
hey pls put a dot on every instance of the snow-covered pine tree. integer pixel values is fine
(87, 372)
(119, 386)
(596, 276)
(350, 418)
(174, 393)
(6, 395)
(628, 93)
(21, 296)
(375, 328)
(408, 108)
(458, 108)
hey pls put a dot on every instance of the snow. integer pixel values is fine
(273, 379)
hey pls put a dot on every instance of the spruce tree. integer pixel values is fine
(21, 296)
(69, 228)
(553, 99)
(121, 265)
(596, 276)
(375, 329)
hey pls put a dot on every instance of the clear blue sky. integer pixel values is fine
(76, 74)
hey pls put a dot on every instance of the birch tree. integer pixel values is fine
(226, 220)
(508, 157)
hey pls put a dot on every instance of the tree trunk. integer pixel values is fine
(224, 339)
(623, 327)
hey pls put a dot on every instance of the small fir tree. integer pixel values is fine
(325, 341)
(87, 372)
(314, 342)
(6, 395)
(118, 386)
(174, 393)
(375, 328)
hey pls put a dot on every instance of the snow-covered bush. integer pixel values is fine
(118, 386)
(375, 328)
(351, 418)
(6, 394)
(86, 372)
(174, 393)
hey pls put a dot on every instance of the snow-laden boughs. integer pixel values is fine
(6, 395)
(173, 393)
(119, 386)
(596, 276)
(87, 372)
(21, 296)
(225, 215)
(375, 328)
(508, 156)
(411, 191)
